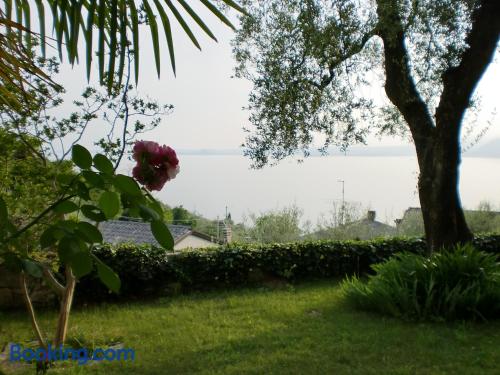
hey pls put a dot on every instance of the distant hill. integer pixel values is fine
(490, 149)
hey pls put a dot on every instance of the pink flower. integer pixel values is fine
(155, 164)
(144, 149)
(166, 154)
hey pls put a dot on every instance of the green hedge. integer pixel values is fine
(145, 270)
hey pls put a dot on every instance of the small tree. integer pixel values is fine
(313, 63)
(48, 207)
(275, 226)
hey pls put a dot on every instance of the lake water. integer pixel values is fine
(207, 184)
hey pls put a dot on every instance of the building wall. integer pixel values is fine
(194, 242)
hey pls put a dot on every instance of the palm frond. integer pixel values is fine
(117, 25)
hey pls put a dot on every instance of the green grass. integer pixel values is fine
(306, 329)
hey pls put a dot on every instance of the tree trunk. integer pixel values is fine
(444, 219)
(437, 138)
(31, 310)
(67, 300)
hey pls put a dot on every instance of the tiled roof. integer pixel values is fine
(119, 231)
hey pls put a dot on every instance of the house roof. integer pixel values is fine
(373, 224)
(418, 211)
(118, 231)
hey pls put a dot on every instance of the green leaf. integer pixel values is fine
(154, 33)
(67, 226)
(127, 185)
(66, 207)
(183, 24)
(41, 21)
(27, 22)
(103, 164)
(148, 213)
(134, 212)
(155, 205)
(93, 213)
(74, 17)
(67, 248)
(107, 276)
(81, 263)
(123, 41)
(197, 19)
(93, 179)
(32, 268)
(101, 25)
(64, 178)
(81, 157)
(48, 237)
(162, 234)
(218, 13)
(82, 191)
(91, 233)
(168, 33)
(135, 35)
(88, 35)
(235, 6)
(109, 202)
(113, 43)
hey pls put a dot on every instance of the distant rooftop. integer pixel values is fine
(139, 232)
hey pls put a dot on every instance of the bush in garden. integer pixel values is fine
(462, 283)
(146, 270)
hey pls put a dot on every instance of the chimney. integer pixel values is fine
(225, 232)
(371, 215)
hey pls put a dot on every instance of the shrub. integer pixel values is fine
(146, 270)
(462, 283)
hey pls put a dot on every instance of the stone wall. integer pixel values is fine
(11, 295)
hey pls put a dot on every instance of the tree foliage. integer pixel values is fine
(315, 65)
(279, 226)
(105, 27)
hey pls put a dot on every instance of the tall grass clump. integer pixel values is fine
(461, 283)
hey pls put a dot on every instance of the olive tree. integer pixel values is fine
(314, 65)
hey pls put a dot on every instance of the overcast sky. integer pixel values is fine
(208, 102)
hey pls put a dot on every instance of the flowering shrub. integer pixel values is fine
(92, 193)
(155, 164)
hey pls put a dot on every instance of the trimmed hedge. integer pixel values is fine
(146, 270)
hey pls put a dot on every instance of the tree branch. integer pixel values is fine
(37, 218)
(327, 79)
(459, 82)
(31, 310)
(52, 281)
(400, 86)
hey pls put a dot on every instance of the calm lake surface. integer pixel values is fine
(207, 184)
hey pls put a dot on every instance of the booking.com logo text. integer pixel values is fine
(81, 355)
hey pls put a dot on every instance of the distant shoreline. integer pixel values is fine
(355, 151)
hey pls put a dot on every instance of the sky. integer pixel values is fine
(208, 102)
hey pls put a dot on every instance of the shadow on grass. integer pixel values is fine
(297, 329)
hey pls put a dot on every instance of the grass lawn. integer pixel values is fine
(304, 329)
